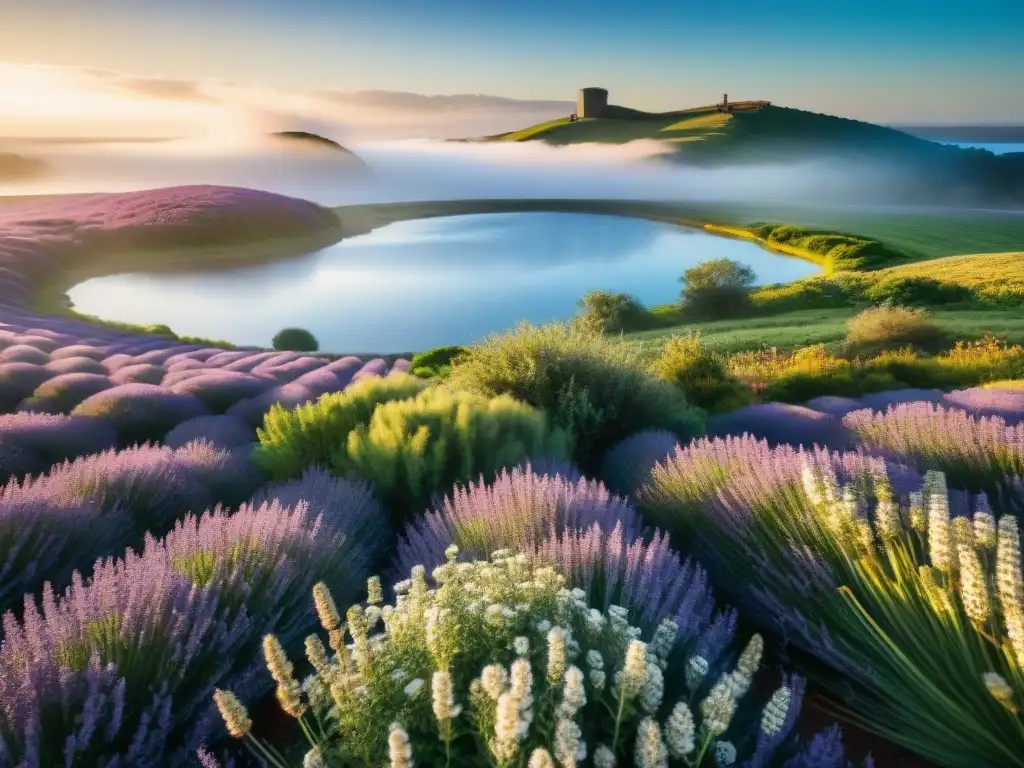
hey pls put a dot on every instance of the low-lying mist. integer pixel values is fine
(434, 170)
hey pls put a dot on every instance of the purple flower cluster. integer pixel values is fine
(593, 537)
(121, 669)
(54, 438)
(626, 466)
(978, 454)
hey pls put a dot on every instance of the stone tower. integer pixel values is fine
(591, 102)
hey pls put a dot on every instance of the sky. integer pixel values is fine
(166, 66)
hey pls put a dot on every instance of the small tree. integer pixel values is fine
(613, 312)
(295, 340)
(716, 288)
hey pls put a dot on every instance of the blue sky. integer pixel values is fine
(886, 61)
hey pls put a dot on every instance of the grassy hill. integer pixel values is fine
(921, 170)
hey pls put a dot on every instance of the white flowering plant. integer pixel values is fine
(501, 665)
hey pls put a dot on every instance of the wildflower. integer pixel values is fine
(662, 641)
(233, 712)
(573, 695)
(635, 670)
(543, 626)
(1008, 576)
(725, 753)
(403, 586)
(598, 679)
(556, 655)
(399, 748)
(938, 532)
(973, 587)
(494, 678)
(313, 759)
(521, 645)
(650, 749)
(751, 657)
(696, 670)
(679, 731)
(326, 610)
(414, 687)
(604, 757)
(316, 653)
(444, 701)
(374, 591)
(541, 758)
(595, 620)
(1000, 690)
(653, 690)
(522, 682)
(509, 726)
(451, 553)
(718, 707)
(775, 712)
(918, 519)
(569, 745)
(594, 660)
(984, 529)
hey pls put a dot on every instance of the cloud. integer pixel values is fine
(51, 101)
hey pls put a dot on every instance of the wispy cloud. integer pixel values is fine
(51, 101)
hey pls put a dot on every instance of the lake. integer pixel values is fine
(419, 284)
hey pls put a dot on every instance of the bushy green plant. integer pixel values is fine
(889, 327)
(295, 340)
(916, 292)
(412, 449)
(500, 665)
(700, 374)
(292, 440)
(435, 362)
(598, 388)
(716, 289)
(613, 312)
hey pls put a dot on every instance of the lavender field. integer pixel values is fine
(246, 557)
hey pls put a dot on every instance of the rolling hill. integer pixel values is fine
(919, 170)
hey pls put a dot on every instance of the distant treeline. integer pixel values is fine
(988, 134)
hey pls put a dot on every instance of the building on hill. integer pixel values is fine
(739, 106)
(591, 102)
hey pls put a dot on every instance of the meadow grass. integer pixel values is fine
(824, 326)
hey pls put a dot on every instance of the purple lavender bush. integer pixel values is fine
(64, 392)
(141, 412)
(1007, 404)
(219, 390)
(627, 464)
(76, 351)
(222, 431)
(63, 365)
(139, 373)
(56, 438)
(18, 381)
(227, 473)
(976, 454)
(148, 482)
(781, 423)
(47, 532)
(23, 353)
(121, 669)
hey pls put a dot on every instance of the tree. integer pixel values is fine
(716, 289)
(613, 312)
(295, 340)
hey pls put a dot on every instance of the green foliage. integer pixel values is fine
(717, 288)
(295, 340)
(613, 312)
(293, 440)
(434, 363)
(596, 387)
(412, 449)
(914, 291)
(888, 328)
(700, 374)
(459, 678)
(836, 252)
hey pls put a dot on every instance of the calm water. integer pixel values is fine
(426, 283)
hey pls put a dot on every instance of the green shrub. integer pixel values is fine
(295, 340)
(716, 289)
(700, 374)
(415, 448)
(614, 312)
(292, 440)
(596, 387)
(884, 328)
(916, 292)
(836, 251)
(434, 363)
